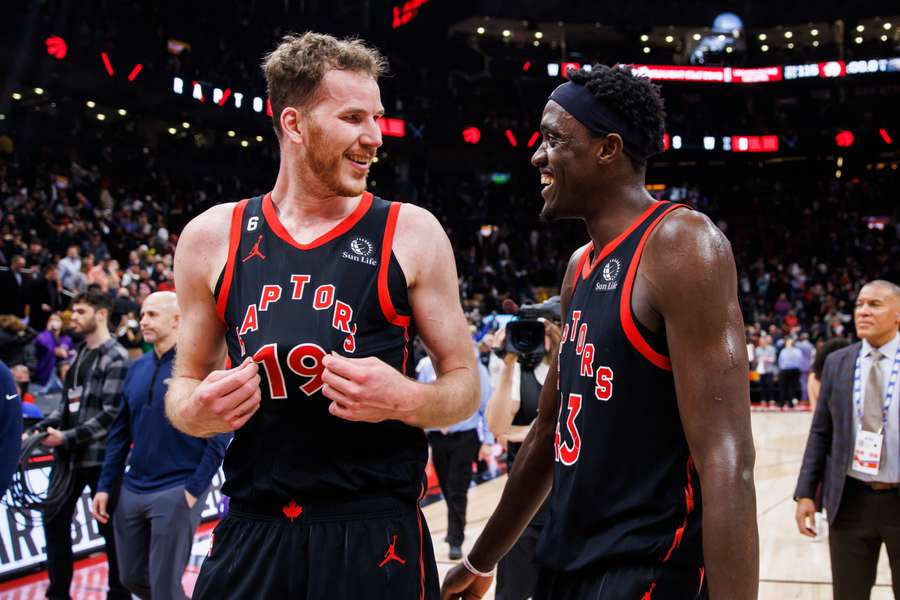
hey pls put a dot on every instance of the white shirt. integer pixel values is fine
(889, 471)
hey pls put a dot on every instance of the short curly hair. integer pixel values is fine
(294, 69)
(634, 98)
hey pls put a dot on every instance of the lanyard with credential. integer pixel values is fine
(889, 392)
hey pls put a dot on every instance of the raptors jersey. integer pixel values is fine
(287, 305)
(625, 490)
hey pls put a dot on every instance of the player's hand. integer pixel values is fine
(509, 358)
(367, 389)
(806, 510)
(462, 584)
(54, 438)
(98, 507)
(225, 399)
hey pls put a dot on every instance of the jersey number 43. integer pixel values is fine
(567, 452)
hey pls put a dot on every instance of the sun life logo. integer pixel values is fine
(361, 246)
(610, 274)
(361, 250)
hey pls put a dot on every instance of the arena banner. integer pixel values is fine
(22, 541)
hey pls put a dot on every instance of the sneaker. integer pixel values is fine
(455, 552)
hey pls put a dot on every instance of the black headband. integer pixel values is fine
(579, 102)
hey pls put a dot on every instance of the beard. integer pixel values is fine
(326, 167)
(87, 329)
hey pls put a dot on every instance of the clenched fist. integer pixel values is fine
(224, 400)
(368, 389)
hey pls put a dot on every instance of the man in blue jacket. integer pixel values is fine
(169, 475)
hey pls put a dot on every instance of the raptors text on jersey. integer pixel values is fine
(287, 305)
(625, 489)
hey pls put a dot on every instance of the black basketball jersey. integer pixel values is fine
(287, 305)
(625, 489)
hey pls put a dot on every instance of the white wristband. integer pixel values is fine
(474, 571)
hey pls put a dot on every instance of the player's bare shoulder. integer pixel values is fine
(203, 246)
(688, 243)
(420, 242)
(688, 264)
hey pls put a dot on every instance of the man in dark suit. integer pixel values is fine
(15, 281)
(854, 448)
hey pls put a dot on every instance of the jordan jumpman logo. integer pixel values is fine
(391, 554)
(255, 251)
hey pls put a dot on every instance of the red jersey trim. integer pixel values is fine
(613, 244)
(581, 262)
(688, 509)
(421, 561)
(627, 319)
(338, 230)
(384, 293)
(234, 241)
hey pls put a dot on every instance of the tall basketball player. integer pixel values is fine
(647, 403)
(314, 292)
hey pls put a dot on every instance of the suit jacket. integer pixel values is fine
(15, 295)
(829, 449)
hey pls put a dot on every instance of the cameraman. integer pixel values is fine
(510, 413)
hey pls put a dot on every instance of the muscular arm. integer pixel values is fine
(199, 258)
(689, 269)
(530, 481)
(425, 254)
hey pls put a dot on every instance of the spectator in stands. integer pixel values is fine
(791, 322)
(790, 365)
(79, 281)
(123, 305)
(782, 305)
(128, 333)
(50, 347)
(37, 255)
(808, 350)
(101, 274)
(16, 285)
(766, 367)
(70, 267)
(22, 377)
(95, 247)
(15, 340)
(46, 297)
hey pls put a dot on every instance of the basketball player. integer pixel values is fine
(315, 296)
(647, 403)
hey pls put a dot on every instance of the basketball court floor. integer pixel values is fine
(791, 566)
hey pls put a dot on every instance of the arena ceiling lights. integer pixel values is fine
(826, 70)
(390, 127)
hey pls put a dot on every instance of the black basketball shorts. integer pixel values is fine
(634, 582)
(378, 549)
